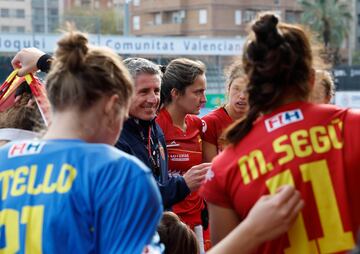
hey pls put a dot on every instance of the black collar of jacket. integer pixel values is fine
(136, 125)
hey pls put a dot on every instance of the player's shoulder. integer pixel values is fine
(226, 160)
(193, 120)
(78, 152)
(113, 157)
(323, 108)
(214, 115)
(163, 119)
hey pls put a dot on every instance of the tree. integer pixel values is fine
(356, 57)
(96, 21)
(330, 19)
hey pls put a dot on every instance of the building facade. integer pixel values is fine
(15, 16)
(30, 16)
(46, 15)
(356, 20)
(92, 4)
(204, 17)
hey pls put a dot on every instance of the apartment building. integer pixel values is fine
(15, 16)
(204, 17)
(46, 15)
(92, 4)
(356, 19)
(26, 16)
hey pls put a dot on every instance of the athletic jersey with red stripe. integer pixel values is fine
(185, 150)
(215, 123)
(316, 148)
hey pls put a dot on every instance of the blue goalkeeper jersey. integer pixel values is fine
(69, 196)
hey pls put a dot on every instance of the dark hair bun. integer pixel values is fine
(72, 51)
(266, 31)
(162, 68)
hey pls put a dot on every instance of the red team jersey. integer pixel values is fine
(315, 148)
(215, 123)
(185, 151)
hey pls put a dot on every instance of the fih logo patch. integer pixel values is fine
(25, 148)
(283, 118)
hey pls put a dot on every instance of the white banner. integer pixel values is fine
(132, 45)
(348, 99)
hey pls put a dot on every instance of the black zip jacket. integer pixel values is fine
(134, 140)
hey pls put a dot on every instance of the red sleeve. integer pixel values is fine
(160, 120)
(352, 138)
(196, 121)
(209, 130)
(213, 190)
(352, 162)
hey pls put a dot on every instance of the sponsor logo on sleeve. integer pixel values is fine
(204, 126)
(283, 118)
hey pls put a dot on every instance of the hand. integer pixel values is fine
(195, 176)
(273, 215)
(26, 60)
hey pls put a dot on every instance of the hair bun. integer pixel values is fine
(266, 31)
(72, 49)
(162, 68)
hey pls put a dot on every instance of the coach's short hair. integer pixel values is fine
(138, 65)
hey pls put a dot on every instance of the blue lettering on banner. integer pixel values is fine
(131, 45)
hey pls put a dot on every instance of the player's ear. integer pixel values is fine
(174, 93)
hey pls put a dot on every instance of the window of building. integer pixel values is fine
(291, 16)
(136, 23)
(277, 13)
(4, 13)
(20, 29)
(20, 13)
(249, 15)
(277, 2)
(178, 17)
(54, 12)
(158, 19)
(136, 2)
(182, 15)
(85, 3)
(38, 12)
(202, 16)
(5, 28)
(238, 18)
(39, 28)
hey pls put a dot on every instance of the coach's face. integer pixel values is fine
(146, 101)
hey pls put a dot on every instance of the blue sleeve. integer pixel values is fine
(128, 208)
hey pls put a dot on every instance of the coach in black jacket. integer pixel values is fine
(142, 137)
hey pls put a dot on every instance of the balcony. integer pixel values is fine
(174, 29)
(158, 5)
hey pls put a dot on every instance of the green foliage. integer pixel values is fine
(356, 58)
(96, 21)
(330, 19)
